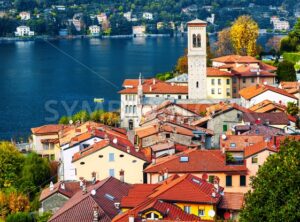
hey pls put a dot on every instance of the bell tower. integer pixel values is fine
(197, 85)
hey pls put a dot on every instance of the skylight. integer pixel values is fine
(110, 197)
(184, 159)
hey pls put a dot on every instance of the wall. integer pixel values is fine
(92, 163)
(196, 207)
(223, 87)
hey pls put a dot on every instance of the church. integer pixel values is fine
(201, 84)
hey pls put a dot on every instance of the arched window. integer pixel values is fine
(198, 41)
(126, 109)
(197, 84)
(194, 40)
(134, 109)
(130, 109)
(130, 124)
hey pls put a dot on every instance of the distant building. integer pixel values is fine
(78, 22)
(23, 31)
(24, 16)
(148, 16)
(94, 30)
(63, 32)
(102, 18)
(139, 30)
(211, 19)
(279, 24)
(60, 7)
(127, 15)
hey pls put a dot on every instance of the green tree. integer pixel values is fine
(286, 71)
(20, 217)
(96, 115)
(292, 108)
(11, 161)
(35, 173)
(81, 116)
(64, 120)
(276, 188)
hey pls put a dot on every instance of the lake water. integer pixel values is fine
(41, 80)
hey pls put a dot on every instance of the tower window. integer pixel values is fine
(194, 40)
(197, 84)
(198, 41)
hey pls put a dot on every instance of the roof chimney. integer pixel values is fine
(62, 186)
(122, 172)
(128, 149)
(131, 218)
(153, 81)
(95, 213)
(51, 186)
(150, 89)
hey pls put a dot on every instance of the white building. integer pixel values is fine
(148, 16)
(197, 59)
(23, 31)
(24, 16)
(255, 94)
(127, 15)
(281, 25)
(94, 30)
(211, 19)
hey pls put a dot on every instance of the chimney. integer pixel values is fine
(128, 149)
(153, 161)
(95, 213)
(62, 186)
(51, 187)
(93, 177)
(131, 218)
(84, 189)
(153, 81)
(150, 89)
(106, 137)
(122, 172)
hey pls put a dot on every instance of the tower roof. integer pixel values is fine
(197, 22)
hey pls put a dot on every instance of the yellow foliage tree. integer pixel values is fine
(244, 33)
(13, 202)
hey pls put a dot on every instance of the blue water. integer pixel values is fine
(40, 81)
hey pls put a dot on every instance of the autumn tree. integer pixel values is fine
(276, 188)
(11, 161)
(224, 44)
(182, 63)
(243, 34)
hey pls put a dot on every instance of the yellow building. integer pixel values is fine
(219, 84)
(105, 158)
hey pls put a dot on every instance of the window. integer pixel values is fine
(126, 109)
(242, 180)
(121, 155)
(254, 159)
(212, 91)
(252, 80)
(211, 178)
(228, 181)
(197, 84)
(194, 40)
(228, 92)
(244, 80)
(213, 81)
(111, 157)
(187, 209)
(234, 90)
(179, 96)
(219, 90)
(152, 216)
(111, 172)
(130, 109)
(82, 163)
(201, 212)
(228, 81)
(52, 157)
(198, 41)
(219, 81)
(232, 145)
(100, 156)
(225, 128)
(134, 109)
(234, 80)
(168, 135)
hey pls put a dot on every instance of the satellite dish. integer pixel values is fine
(224, 137)
(93, 192)
(115, 140)
(211, 213)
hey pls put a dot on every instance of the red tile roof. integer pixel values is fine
(280, 139)
(240, 141)
(247, 71)
(80, 207)
(215, 72)
(199, 161)
(232, 201)
(121, 144)
(267, 106)
(236, 59)
(47, 129)
(259, 147)
(186, 188)
(152, 86)
(255, 90)
(277, 118)
(71, 187)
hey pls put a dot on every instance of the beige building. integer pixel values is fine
(45, 141)
(105, 159)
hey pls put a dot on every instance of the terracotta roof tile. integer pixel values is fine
(211, 72)
(236, 59)
(232, 201)
(267, 106)
(258, 147)
(47, 129)
(239, 142)
(277, 118)
(198, 161)
(153, 86)
(256, 90)
(80, 207)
